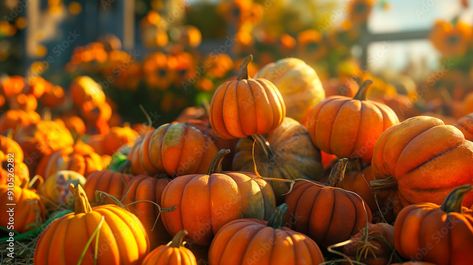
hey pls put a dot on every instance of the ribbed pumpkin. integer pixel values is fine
(465, 125)
(141, 196)
(13, 119)
(416, 157)
(41, 139)
(253, 241)
(353, 179)
(288, 153)
(173, 253)
(298, 83)
(173, 148)
(25, 205)
(327, 214)
(246, 106)
(11, 158)
(441, 234)
(80, 158)
(84, 89)
(55, 190)
(122, 237)
(117, 137)
(349, 127)
(113, 183)
(204, 203)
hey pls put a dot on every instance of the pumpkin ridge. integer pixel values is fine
(420, 239)
(183, 144)
(248, 244)
(331, 215)
(236, 234)
(332, 124)
(237, 99)
(445, 151)
(316, 196)
(180, 205)
(356, 137)
(149, 146)
(89, 233)
(66, 228)
(265, 84)
(222, 107)
(355, 224)
(254, 101)
(313, 131)
(116, 210)
(307, 228)
(462, 126)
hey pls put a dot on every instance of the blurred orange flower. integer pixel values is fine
(218, 65)
(359, 10)
(451, 40)
(311, 44)
(157, 70)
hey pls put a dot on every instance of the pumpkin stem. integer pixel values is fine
(277, 218)
(383, 184)
(81, 203)
(217, 161)
(147, 116)
(264, 145)
(361, 94)
(178, 239)
(244, 67)
(453, 201)
(337, 174)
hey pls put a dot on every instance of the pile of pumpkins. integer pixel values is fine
(272, 172)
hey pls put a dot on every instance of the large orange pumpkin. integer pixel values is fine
(80, 158)
(439, 234)
(288, 153)
(416, 157)
(121, 239)
(41, 139)
(253, 241)
(21, 208)
(246, 106)
(327, 214)
(173, 148)
(204, 203)
(143, 197)
(349, 127)
(173, 253)
(298, 83)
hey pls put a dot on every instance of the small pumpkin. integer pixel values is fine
(80, 158)
(465, 125)
(327, 214)
(173, 253)
(41, 139)
(439, 234)
(415, 158)
(26, 102)
(14, 119)
(117, 137)
(21, 208)
(55, 189)
(288, 153)
(113, 183)
(340, 87)
(53, 97)
(206, 202)
(354, 179)
(143, 197)
(122, 237)
(246, 106)
(349, 127)
(74, 124)
(253, 241)
(11, 159)
(85, 89)
(12, 85)
(172, 148)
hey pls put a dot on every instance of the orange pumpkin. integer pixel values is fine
(246, 106)
(37, 86)
(141, 196)
(327, 214)
(349, 127)
(85, 89)
(441, 234)
(354, 179)
(26, 102)
(340, 87)
(11, 159)
(41, 139)
(113, 183)
(74, 124)
(465, 125)
(204, 203)
(121, 239)
(172, 148)
(80, 158)
(173, 253)
(116, 138)
(53, 97)
(21, 208)
(252, 241)
(13, 119)
(416, 157)
(12, 85)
